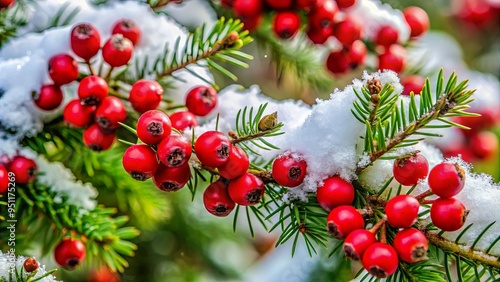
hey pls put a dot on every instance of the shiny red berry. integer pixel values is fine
(252, 23)
(348, 31)
(289, 171)
(236, 165)
(175, 150)
(4, 179)
(213, 148)
(306, 4)
(77, 114)
(344, 4)
(341, 221)
(411, 245)
(30, 265)
(279, 4)
(128, 29)
(448, 214)
(356, 54)
(386, 36)
(69, 253)
(171, 179)
(183, 120)
(483, 145)
(246, 190)
(49, 97)
(153, 126)
(24, 169)
(247, 8)
(92, 90)
(6, 3)
(104, 274)
(201, 100)
(85, 41)
(380, 260)
(408, 171)
(417, 19)
(412, 83)
(337, 62)
(216, 199)
(63, 69)
(323, 13)
(319, 35)
(286, 24)
(140, 161)
(394, 58)
(357, 242)
(402, 211)
(145, 95)
(446, 179)
(109, 113)
(96, 139)
(117, 51)
(335, 192)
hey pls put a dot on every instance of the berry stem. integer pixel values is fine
(383, 233)
(91, 69)
(108, 74)
(421, 197)
(237, 139)
(377, 225)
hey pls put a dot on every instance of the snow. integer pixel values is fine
(6, 261)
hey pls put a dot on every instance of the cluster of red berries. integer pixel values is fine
(478, 13)
(23, 168)
(69, 253)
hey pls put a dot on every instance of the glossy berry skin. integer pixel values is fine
(417, 19)
(6, 3)
(49, 97)
(448, 214)
(237, 164)
(288, 171)
(175, 150)
(128, 29)
(85, 41)
(4, 179)
(104, 274)
(109, 113)
(344, 4)
(153, 126)
(322, 14)
(319, 35)
(402, 211)
(182, 120)
(92, 90)
(412, 83)
(357, 54)
(483, 145)
(386, 36)
(117, 51)
(335, 192)
(171, 179)
(96, 139)
(247, 8)
(246, 190)
(252, 23)
(30, 265)
(213, 148)
(145, 95)
(348, 31)
(306, 4)
(394, 58)
(25, 169)
(408, 171)
(341, 221)
(411, 245)
(140, 161)
(279, 4)
(77, 114)
(216, 199)
(69, 253)
(63, 69)
(286, 24)
(201, 100)
(380, 260)
(446, 179)
(337, 62)
(357, 242)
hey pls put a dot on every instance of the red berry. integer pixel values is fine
(448, 214)
(417, 19)
(6, 3)
(49, 98)
(85, 41)
(140, 162)
(153, 126)
(408, 171)
(24, 169)
(402, 211)
(236, 165)
(323, 13)
(77, 114)
(337, 62)
(319, 35)
(4, 179)
(252, 23)
(30, 265)
(246, 190)
(109, 113)
(286, 24)
(289, 171)
(175, 150)
(357, 242)
(183, 119)
(484, 144)
(145, 95)
(488, 118)
(357, 54)
(97, 140)
(247, 8)
(343, 220)
(411, 245)
(394, 58)
(335, 192)
(412, 83)
(279, 4)
(63, 69)
(216, 199)
(348, 31)
(446, 179)
(380, 260)
(104, 274)
(92, 90)
(69, 253)
(201, 100)
(213, 148)
(171, 179)
(386, 36)
(343, 4)
(117, 51)
(306, 4)
(128, 29)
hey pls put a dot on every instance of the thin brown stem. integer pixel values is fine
(108, 74)
(91, 69)
(237, 139)
(377, 225)
(421, 197)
